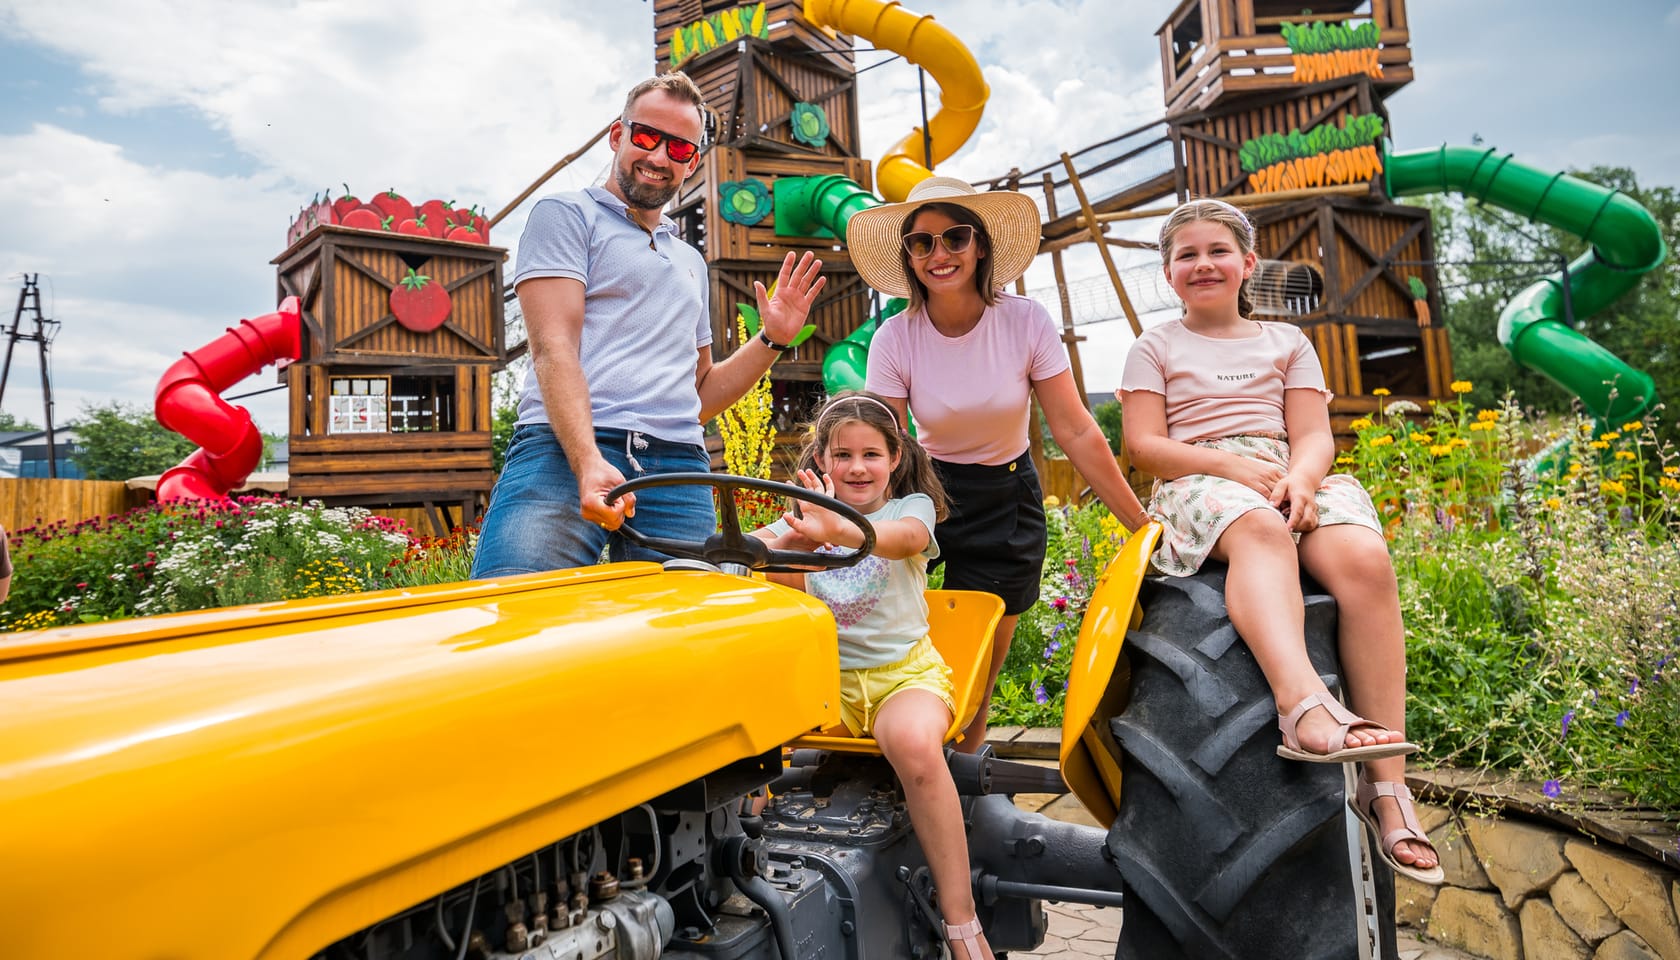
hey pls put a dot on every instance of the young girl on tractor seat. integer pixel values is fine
(893, 684)
(1232, 416)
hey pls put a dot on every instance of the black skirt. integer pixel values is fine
(994, 538)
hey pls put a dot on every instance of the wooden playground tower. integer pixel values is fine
(783, 104)
(1240, 77)
(1235, 72)
(382, 415)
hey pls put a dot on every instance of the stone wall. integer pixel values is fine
(1521, 891)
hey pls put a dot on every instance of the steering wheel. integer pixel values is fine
(730, 545)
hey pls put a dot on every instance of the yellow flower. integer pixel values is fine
(1624, 454)
(1612, 435)
(1052, 502)
(1669, 483)
(1671, 471)
(1611, 486)
(1360, 424)
(1460, 386)
(1586, 428)
(1440, 449)
(1484, 425)
(1421, 437)
(1574, 467)
(1380, 392)
(1633, 425)
(1599, 445)
(1458, 442)
(1487, 415)
(1555, 503)
(1345, 461)
(1381, 441)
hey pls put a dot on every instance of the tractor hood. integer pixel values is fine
(259, 781)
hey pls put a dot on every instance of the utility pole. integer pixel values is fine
(45, 330)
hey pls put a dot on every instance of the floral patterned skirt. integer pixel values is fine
(1195, 510)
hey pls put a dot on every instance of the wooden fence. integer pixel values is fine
(26, 502)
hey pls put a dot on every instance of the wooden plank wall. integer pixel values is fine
(348, 303)
(403, 466)
(1297, 231)
(785, 18)
(1238, 54)
(844, 306)
(759, 242)
(32, 501)
(1211, 140)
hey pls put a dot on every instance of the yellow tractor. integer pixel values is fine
(557, 765)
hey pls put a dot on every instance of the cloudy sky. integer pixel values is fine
(153, 151)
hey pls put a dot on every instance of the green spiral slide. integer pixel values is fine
(822, 206)
(1624, 243)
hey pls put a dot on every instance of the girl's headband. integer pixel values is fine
(1233, 208)
(861, 399)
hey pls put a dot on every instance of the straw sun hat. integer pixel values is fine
(1011, 221)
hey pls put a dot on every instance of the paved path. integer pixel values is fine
(1080, 932)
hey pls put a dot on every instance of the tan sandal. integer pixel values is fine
(1291, 749)
(969, 935)
(1365, 808)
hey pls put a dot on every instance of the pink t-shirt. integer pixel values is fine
(970, 395)
(1223, 388)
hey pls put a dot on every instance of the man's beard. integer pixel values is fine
(644, 196)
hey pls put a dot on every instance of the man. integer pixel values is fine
(621, 368)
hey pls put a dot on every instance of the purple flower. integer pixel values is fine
(1552, 788)
(1633, 687)
(1567, 718)
(1039, 696)
(1621, 719)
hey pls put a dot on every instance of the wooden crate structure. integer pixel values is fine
(752, 85)
(1366, 328)
(1208, 142)
(382, 415)
(1214, 51)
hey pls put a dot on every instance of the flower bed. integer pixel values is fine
(1540, 606)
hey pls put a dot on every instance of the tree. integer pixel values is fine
(1108, 420)
(119, 441)
(11, 423)
(1643, 327)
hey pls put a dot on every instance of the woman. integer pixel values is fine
(968, 360)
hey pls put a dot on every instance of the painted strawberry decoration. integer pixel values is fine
(420, 303)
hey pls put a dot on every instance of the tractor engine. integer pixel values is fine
(827, 867)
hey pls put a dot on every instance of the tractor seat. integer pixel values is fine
(961, 623)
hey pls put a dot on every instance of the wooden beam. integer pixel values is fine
(1102, 246)
(564, 162)
(1068, 336)
(1241, 200)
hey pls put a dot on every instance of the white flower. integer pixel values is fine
(1401, 406)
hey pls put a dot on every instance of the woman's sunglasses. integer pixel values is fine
(954, 239)
(649, 138)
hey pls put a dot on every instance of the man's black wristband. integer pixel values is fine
(764, 338)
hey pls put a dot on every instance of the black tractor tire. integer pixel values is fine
(1225, 849)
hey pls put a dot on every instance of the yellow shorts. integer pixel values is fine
(862, 692)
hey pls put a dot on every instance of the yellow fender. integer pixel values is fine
(366, 753)
(924, 42)
(1090, 758)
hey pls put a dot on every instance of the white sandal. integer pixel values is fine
(969, 934)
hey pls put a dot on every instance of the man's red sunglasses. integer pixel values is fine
(649, 138)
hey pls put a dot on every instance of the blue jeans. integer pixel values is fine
(533, 523)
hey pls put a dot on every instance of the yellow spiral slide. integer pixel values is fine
(922, 41)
